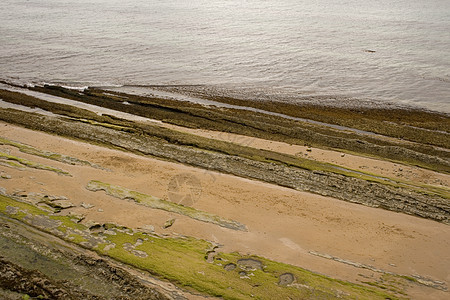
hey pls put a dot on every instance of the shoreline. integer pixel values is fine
(221, 92)
(232, 96)
(235, 91)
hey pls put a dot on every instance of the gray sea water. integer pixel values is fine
(295, 47)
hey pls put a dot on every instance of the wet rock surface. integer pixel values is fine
(30, 265)
(286, 279)
(5, 176)
(230, 267)
(132, 249)
(168, 223)
(86, 205)
(250, 264)
(147, 229)
(36, 284)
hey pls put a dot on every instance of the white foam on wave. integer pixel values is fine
(78, 86)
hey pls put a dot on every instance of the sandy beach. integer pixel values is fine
(343, 240)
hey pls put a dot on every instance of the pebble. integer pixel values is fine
(86, 205)
(147, 228)
(109, 247)
(168, 223)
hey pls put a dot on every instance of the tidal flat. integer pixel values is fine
(288, 202)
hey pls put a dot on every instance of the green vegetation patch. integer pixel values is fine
(153, 202)
(12, 164)
(305, 284)
(31, 164)
(183, 261)
(45, 154)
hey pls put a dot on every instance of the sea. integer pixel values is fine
(385, 51)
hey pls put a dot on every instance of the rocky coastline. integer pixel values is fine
(168, 132)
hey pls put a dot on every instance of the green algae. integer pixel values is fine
(310, 285)
(182, 260)
(411, 124)
(45, 154)
(12, 164)
(107, 125)
(31, 164)
(156, 203)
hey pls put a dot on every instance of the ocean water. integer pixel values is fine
(293, 47)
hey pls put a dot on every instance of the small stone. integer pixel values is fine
(100, 210)
(286, 279)
(139, 253)
(230, 267)
(54, 198)
(243, 275)
(147, 228)
(6, 176)
(86, 205)
(249, 264)
(210, 257)
(109, 247)
(91, 223)
(19, 193)
(77, 218)
(128, 246)
(97, 228)
(110, 226)
(342, 155)
(63, 204)
(168, 223)
(11, 210)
